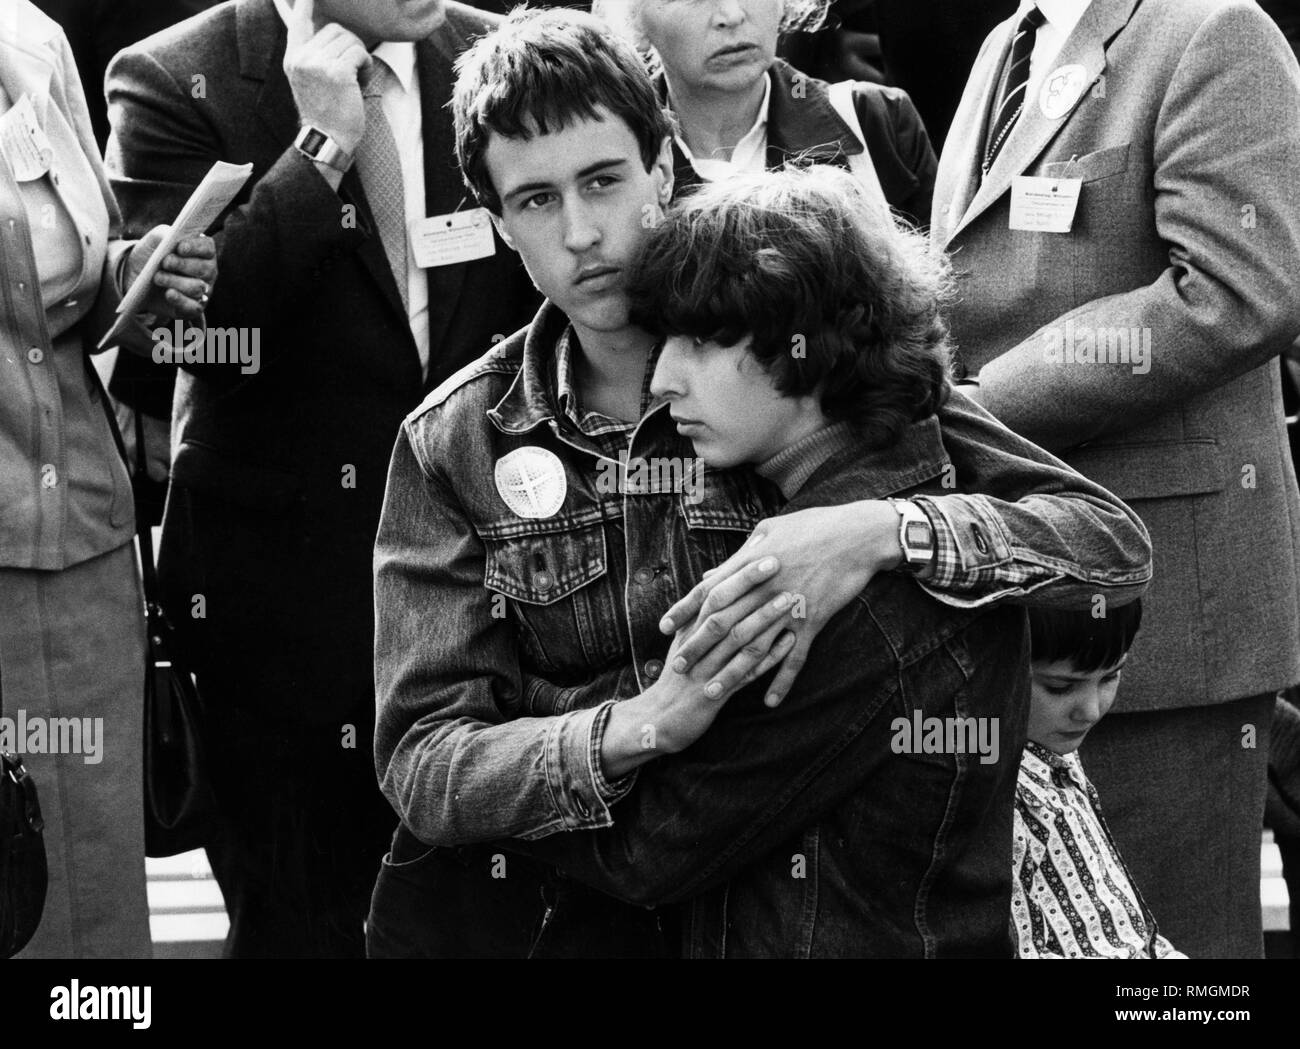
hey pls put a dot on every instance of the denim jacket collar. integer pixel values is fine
(544, 390)
(529, 402)
(857, 473)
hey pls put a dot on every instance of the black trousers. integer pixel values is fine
(274, 613)
(303, 830)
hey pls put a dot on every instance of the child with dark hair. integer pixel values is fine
(1072, 896)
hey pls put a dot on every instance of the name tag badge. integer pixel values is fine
(444, 240)
(1044, 205)
(24, 144)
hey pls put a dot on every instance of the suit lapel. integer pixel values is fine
(262, 40)
(958, 178)
(1034, 131)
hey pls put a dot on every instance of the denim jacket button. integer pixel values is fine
(542, 580)
(581, 806)
(653, 668)
(36, 355)
(643, 576)
(981, 544)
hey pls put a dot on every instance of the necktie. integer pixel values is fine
(380, 169)
(1013, 95)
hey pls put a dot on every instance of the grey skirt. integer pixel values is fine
(71, 688)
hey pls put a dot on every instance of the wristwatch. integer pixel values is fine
(315, 145)
(915, 536)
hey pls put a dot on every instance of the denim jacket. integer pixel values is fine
(502, 638)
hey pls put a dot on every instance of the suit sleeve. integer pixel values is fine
(271, 247)
(1226, 168)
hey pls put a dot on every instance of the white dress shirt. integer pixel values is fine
(1062, 16)
(750, 154)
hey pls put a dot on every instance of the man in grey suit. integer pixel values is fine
(1122, 307)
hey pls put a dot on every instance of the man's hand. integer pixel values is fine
(679, 707)
(323, 70)
(184, 280)
(824, 556)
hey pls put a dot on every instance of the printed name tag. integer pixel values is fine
(1044, 205)
(443, 240)
(24, 143)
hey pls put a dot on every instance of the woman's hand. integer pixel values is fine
(185, 279)
(679, 707)
(824, 556)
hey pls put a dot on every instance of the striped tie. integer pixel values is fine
(380, 169)
(1013, 95)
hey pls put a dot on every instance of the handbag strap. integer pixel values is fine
(139, 472)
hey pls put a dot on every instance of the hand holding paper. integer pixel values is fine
(183, 280)
(172, 269)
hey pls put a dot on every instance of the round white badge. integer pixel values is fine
(532, 482)
(1061, 90)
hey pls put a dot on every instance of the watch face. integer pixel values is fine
(313, 141)
(918, 535)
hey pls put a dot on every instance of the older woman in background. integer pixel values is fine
(71, 622)
(740, 108)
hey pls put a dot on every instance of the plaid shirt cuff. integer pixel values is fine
(973, 564)
(578, 789)
(608, 792)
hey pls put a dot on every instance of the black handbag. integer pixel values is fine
(179, 806)
(24, 875)
(23, 871)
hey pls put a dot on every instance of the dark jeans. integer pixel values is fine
(480, 902)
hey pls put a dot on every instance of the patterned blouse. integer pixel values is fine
(1071, 894)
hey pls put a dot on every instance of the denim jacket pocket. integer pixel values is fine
(557, 576)
(719, 516)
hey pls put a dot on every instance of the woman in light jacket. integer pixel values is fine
(71, 623)
(740, 108)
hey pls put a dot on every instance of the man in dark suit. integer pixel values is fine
(278, 469)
